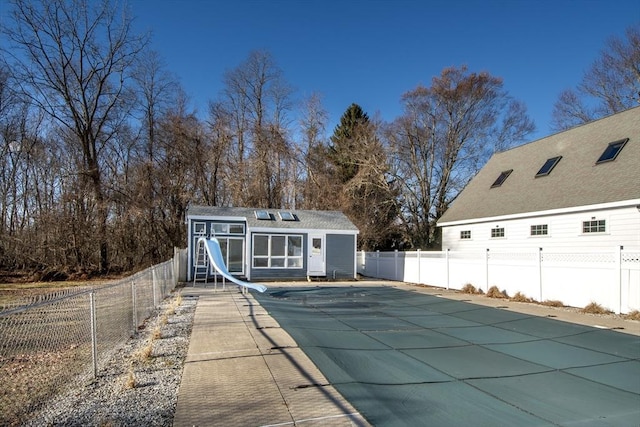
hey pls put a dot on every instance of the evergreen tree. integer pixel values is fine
(361, 177)
(344, 144)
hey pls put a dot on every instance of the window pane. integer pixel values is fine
(294, 262)
(539, 230)
(594, 226)
(294, 246)
(502, 178)
(612, 150)
(277, 262)
(236, 229)
(548, 166)
(277, 245)
(199, 227)
(235, 256)
(261, 245)
(219, 228)
(261, 262)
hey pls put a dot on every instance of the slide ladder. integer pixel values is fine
(211, 250)
(200, 264)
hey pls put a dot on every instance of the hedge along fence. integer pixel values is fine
(610, 278)
(57, 342)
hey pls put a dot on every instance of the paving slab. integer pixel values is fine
(242, 369)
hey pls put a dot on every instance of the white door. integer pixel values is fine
(316, 265)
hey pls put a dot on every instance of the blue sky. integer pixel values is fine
(371, 52)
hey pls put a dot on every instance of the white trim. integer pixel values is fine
(575, 209)
(217, 218)
(283, 230)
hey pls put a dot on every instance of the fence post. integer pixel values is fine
(486, 270)
(540, 272)
(135, 308)
(447, 266)
(618, 273)
(395, 265)
(94, 333)
(419, 269)
(154, 286)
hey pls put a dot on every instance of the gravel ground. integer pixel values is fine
(137, 385)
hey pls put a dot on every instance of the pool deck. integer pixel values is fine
(242, 369)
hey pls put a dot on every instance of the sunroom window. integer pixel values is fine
(277, 251)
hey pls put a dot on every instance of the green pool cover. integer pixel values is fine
(408, 359)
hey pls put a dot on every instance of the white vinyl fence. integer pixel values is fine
(609, 278)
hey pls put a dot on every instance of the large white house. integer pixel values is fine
(574, 190)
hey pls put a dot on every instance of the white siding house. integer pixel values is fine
(577, 190)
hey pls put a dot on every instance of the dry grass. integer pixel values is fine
(520, 297)
(634, 315)
(595, 308)
(144, 354)
(552, 303)
(470, 289)
(156, 334)
(494, 292)
(131, 380)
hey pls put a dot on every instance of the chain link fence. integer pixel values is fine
(57, 342)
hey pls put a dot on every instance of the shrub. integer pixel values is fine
(131, 380)
(634, 315)
(144, 353)
(520, 297)
(156, 334)
(469, 289)
(552, 303)
(595, 308)
(494, 292)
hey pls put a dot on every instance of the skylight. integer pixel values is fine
(548, 166)
(287, 216)
(263, 215)
(502, 178)
(612, 151)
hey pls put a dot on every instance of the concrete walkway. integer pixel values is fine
(242, 369)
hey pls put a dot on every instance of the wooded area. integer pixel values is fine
(100, 153)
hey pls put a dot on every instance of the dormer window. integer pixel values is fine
(548, 166)
(612, 151)
(502, 178)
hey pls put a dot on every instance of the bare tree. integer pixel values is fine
(446, 133)
(257, 99)
(73, 59)
(611, 85)
(319, 189)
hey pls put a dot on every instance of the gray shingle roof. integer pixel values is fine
(575, 181)
(306, 219)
